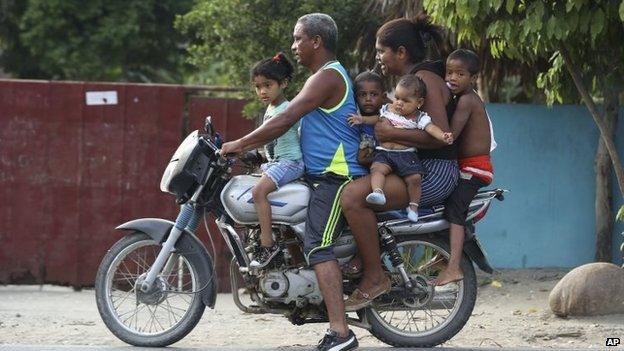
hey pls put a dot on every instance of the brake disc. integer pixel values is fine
(156, 294)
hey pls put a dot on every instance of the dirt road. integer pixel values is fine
(511, 311)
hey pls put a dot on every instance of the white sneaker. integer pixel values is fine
(411, 214)
(377, 197)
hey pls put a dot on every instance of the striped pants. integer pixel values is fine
(439, 182)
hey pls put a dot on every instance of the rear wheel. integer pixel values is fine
(427, 315)
(160, 317)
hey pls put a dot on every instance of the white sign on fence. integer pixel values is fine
(101, 98)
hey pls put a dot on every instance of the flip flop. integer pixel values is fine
(434, 283)
(436, 263)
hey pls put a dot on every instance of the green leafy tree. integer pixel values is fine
(231, 35)
(581, 40)
(502, 79)
(93, 40)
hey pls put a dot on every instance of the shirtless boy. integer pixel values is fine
(471, 126)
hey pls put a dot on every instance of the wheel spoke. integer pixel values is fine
(171, 312)
(183, 298)
(122, 298)
(402, 319)
(136, 312)
(154, 314)
(128, 274)
(147, 322)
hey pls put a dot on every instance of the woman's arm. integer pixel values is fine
(435, 106)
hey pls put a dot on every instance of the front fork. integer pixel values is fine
(188, 219)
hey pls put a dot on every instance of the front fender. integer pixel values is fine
(158, 229)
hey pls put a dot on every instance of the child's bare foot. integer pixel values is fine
(447, 276)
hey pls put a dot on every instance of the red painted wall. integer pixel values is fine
(70, 173)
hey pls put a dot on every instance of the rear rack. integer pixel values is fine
(434, 222)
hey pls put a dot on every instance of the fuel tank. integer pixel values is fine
(288, 203)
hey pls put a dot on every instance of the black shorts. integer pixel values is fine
(403, 163)
(324, 220)
(457, 204)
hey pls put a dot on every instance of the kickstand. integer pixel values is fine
(360, 322)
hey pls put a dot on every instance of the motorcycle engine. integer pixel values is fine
(274, 284)
(291, 285)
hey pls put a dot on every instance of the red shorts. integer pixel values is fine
(478, 166)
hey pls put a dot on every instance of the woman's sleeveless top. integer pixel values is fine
(448, 152)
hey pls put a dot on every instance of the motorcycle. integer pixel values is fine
(153, 285)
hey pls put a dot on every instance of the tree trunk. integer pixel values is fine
(600, 122)
(482, 81)
(603, 204)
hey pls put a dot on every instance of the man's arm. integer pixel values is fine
(317, 90)
(435, 106)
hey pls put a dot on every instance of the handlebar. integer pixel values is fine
(251, 159)
(210, 150)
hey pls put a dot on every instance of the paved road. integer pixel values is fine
(55, 318)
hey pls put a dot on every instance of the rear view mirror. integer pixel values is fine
(208, 126)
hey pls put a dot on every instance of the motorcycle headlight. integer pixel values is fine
(186, 169)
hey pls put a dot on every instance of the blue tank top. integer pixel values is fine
(328, 143)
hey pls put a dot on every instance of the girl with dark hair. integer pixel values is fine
(402, 48)
(277, 68)
(269, 78)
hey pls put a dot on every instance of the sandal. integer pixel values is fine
(436, 264)
(360, 299)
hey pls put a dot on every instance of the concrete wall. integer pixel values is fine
(545, 156)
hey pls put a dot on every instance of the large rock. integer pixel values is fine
(589, 290)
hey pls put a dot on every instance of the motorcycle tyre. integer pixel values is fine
(196, 309)
(387, 336)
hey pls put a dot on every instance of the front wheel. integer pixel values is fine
(163, 315)
(428, 315)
